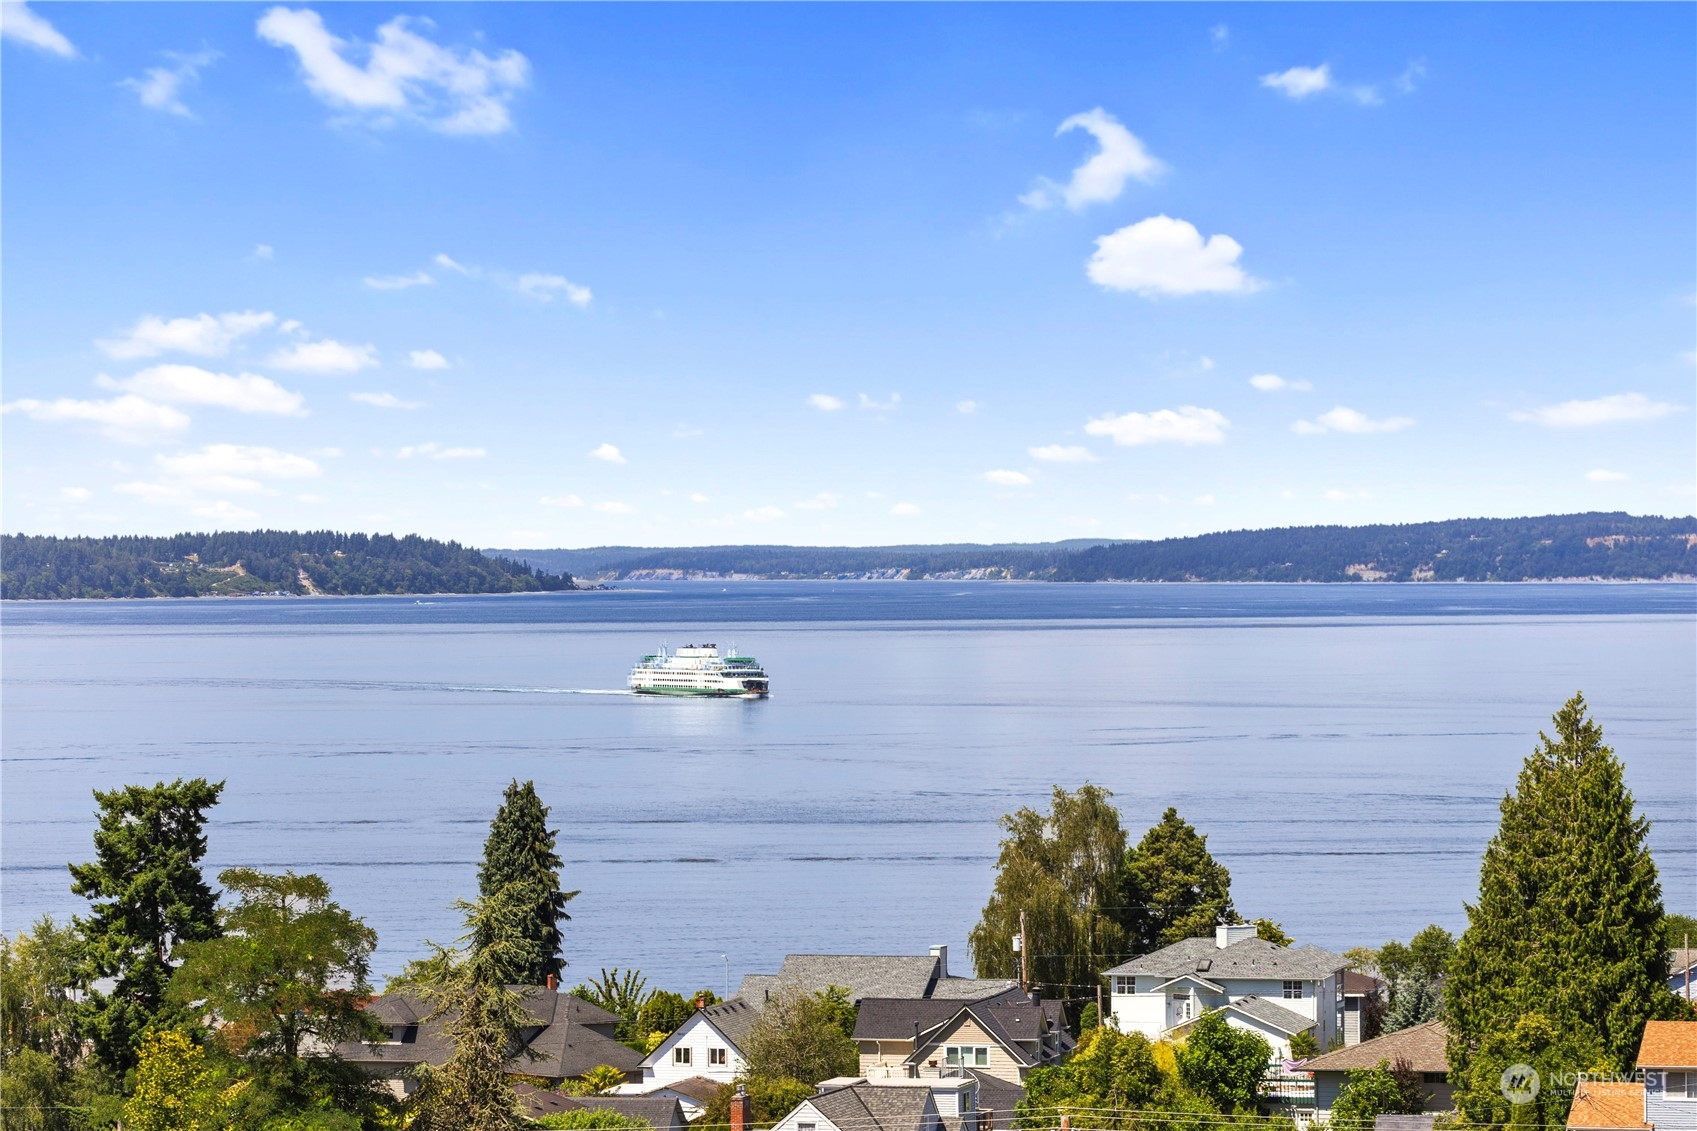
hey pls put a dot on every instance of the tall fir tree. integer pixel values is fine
(1566, 936)
(520, 883)
(148, 895)
(1173, 888)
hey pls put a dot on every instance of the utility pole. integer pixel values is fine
(1024, 956)
(1685, 960)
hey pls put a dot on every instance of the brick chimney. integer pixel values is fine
(742, 1115)
(553, 983)
(700, 1003)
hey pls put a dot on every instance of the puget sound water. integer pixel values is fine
(1344, 748)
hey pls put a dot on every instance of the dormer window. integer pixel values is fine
(1293, 989)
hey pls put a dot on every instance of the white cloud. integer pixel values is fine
(383, 400)
(1618, 408)
(1220, 35)
(444, 261)
(1204, 500)
(614, 508)
(1409, 80)
(190, 384)
(967, 408)
(763, 514)
(263, 251)
(609, 453)
(904, 510)
(1185, 425)
(1300, 82)
(1102, 178)
(1272, 383)
(1341, 419)
(560, 501)
(1601, 475)
(890, 405)
(432, 450)
(160, 87)
(426, 359)
(20, 24)
(129, 418)
(1162, 255)
(542, 287)
(75, 494)
(1004, 478)
(1062, 453)
(291, 326)
(825, 402)
(448, 89)
(327, 356)
(398, 282)
(205, 335)
(698, 497)
(823, 501)
(218, 465)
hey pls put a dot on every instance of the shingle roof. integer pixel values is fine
(1421, 1045)
(1599, 1104)
(1668, 1044)
(734, 1018)
(698, 1088)
(1268, 1013)
(971, 989)
(893, 1019)
(863, 975)
(663, 1113)
(998, 1096)
(1356, 983)
(1250, 958)
(868, 1107)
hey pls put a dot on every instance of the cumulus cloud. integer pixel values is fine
(383, 400)
(129, 419)
(21, 25)
(160, 88)
(405, 76)
(1601, 475)
(890, 405)
(763, 514)
(327, 356)
(1004, 478)
(1164, 256)
(1120, 156)
(1062, 453)
(225, 466)
(609, 453)
(1273, 383)
(1185, 425)
(205, 335)
(1615, 409)
(263, 251)
(614, 508)
(967, 408)
(560, 501)
(1341, 419)
(1300, 82)
(75, 494)
(432, 450)
(698, 497)
(823, 501)
(825, 402)
(426, 359)
(904, 510)
(398, 282)
(190, 384)
(544, 287)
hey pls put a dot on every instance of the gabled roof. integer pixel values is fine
(1249, 958)
(1274, 1016)
(972, 989)
(863, 975)
(1599, 1105)
(998, 1096)
(1194, 979)
(893, 1019)
(1421, 1045)
(733, 1020)
(995, 1021)
(868, 1107)
(1357, 984)
(1668, 1044)
(699, 1089)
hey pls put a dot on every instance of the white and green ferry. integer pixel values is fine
(698, 669)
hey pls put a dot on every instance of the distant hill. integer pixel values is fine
(1614, 546)
(259, 561)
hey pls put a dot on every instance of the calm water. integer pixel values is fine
(1343, 747)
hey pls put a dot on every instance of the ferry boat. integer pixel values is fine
(698, 669)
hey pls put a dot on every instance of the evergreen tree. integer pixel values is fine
(1173, 888)
(148, 896)
(1062, 870)
(1567, 931)
(1416, 1003)
(519, 855)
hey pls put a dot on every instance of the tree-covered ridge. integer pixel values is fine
(1615, 546)
(234, 563)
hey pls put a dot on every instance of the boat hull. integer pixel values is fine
(700, 692)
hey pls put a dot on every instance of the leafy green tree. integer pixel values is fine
(148, 896)
(1271, 932)
(1416, 1004)
(799, 1036)
(1552, 1050)
(591, 1119)
(1304, 1045)
(769, 1100)
(1679, 931)
(1223, 1063)
(1063, 871)
(1371, 1092)
(1173, 887)
(519, 855)
(39, 1045)
(286, 978)
(1109, 1076)
(626, 995)
(663, 1012)
(176, 1089)
(1426, 956)
(1568, 924)
(598, 1081)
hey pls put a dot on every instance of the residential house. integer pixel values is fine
(1682, 971)
(709, 1045)
(1422, 1046)
(896, 1104)
(693, 1093)
(1274, 991)
(871, 975)
(1364, 1000)
(660, 1113)
(1004, 1035)
(565, 1038)
(1667, 1059)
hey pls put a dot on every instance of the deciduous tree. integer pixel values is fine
(1223, 1063)
(800, 1036)
(176, 1090)
(519, 855)
(1173, 887)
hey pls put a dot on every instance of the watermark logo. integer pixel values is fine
(1519, 1084)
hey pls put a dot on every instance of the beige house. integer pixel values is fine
(1003, 1036)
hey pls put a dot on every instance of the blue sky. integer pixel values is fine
(539, 275)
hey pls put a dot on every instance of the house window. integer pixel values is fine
(680, 1055)
(718, 1056)
(1680, 1085)
(1124, 985)
(806, 1126)
(1293, 989)
(1181, 1008)
(966, 1056)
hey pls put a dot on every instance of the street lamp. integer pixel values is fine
(727, 959)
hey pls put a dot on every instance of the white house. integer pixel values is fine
(1273, 991)
(707, 1045)
(895, 1104)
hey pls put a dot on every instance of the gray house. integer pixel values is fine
(1421, 1045)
